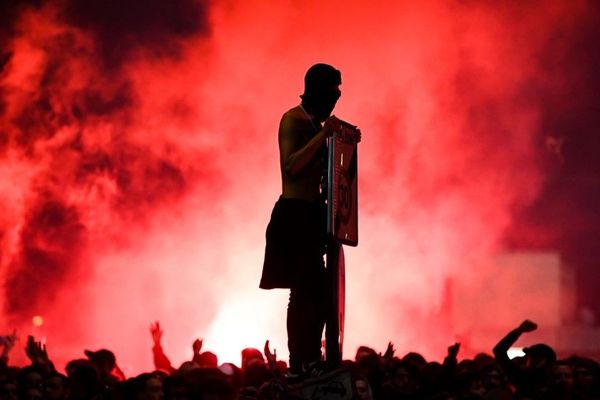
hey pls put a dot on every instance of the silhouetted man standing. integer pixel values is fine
(296, 234)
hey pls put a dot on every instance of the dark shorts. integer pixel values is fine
(295, 244)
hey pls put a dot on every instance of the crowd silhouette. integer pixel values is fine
(537, 375)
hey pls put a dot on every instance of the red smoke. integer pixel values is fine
(139, 161)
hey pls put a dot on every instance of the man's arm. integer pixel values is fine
(501, 349)
(514, 374)
(294, 156)
(161, 361)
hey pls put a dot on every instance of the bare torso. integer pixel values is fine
(301, 144)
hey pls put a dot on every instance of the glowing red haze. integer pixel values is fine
(139, 163)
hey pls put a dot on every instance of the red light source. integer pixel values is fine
(37, 320)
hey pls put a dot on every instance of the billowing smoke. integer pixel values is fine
(139, 160)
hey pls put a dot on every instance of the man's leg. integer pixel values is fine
(305, 322)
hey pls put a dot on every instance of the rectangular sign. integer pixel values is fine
(342, 185)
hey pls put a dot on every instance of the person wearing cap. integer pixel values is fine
(296, 233)
(529, 374)
(106, 363)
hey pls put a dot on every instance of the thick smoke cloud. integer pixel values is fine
(139, 160)
(50, 240)
(563, 215)
(67, 109)
(121, 29)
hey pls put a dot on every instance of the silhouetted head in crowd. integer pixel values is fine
(8, 388)
(364, 351)
(321, 90)
(187, 366)
(539, 356)
(493, 377)
(255, 375)
(31, 383)
(432, 378)
(233, 374)
(106, 364)
(586, 375)
(415, 359)
(368, 363)
(74, 364)
(175, 388)
(561, 379)
(31, 377)
(207, 359)
(251, 356)
(469, 384)
(483, 359)
(362, 388)
(84, 379)
(402, 379)
(102, 359)
(466, 365)
(56, 386)
(209, 384)
(146, 386)
(281, 366)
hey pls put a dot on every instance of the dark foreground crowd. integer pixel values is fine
(537, 375)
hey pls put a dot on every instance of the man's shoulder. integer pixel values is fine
(295, 120)
(294, 113)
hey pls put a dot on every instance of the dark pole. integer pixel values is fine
(333, 352)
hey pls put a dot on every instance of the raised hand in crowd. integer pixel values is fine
(527, 326)
(453, 350)
(271, 357)
(156, 333)
(197, 347)
(387, 358)
(389, 351)
(7, 343)
(451, 359)
(205, 359)
(37, 353)
(161, 361)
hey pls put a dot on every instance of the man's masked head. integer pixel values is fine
(321, 90)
